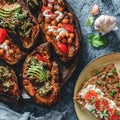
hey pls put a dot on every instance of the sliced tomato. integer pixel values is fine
(69, 27)
(63, 48)
(102, 104)
(114, 116)
(3, 35)
(91, 96)
(39, 57)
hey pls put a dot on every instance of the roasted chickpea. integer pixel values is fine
(61, 9)
(55, 27)
(11, 51)
(47, 20)
(65, 20)
(72, 35)
(46, 27)
(67, 35)
(69, 40)
(48, 33)
(64, 40)
(54, 22)
(60, 25)
(62, 36)
(54, 34)
(1, 52)
(7, 42)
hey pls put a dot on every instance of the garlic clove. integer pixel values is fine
(105, 24)
(95, 10)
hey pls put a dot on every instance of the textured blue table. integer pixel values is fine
(82, 9)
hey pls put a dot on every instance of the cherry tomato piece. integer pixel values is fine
(3, 35)
(39, 57)
(102, 104)
(69, 27)
(91, 96)
(43, 9)
(63, 48)
(114, 116)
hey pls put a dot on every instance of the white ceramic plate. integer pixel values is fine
(81, 113)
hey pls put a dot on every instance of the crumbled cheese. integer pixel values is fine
(91, 87)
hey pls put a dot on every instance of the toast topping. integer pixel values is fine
(15, 18)
(39, 74)
(6, 79)
(98, 104)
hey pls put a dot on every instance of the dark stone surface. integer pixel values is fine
(82, 9)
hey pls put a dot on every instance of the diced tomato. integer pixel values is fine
(114, 116)
(3, 35)
(110, 111)
(43, 9)
(91, 96)
(69, 27)
(63, 48)
(102, 104)
(39, 57)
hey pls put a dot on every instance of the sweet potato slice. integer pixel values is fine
(44, 91)
(60, 28)
(15, 17)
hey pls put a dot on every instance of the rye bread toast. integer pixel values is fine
(104, 83)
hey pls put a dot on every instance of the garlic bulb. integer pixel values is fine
(105, 24)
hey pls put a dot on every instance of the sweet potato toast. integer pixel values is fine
(59, 28)
(8, 83)
(9, 51)
(15, 17)
(100, 94)
(41, 76)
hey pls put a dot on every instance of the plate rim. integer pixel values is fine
(78, 78)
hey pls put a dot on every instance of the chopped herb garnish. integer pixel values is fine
(96, 72)
(92, 110)
(105, 83)
(118, 112)
(98, 92)
(112, 92)
(93, 100)
(113, 71)
(110, 74)
(105, 114)
(98, 82)
(118, 85)
(103, 76)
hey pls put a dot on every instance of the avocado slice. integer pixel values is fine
(10, 8)
(10, 12)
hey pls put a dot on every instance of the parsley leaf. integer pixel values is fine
(96, 40)
(90, 21)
